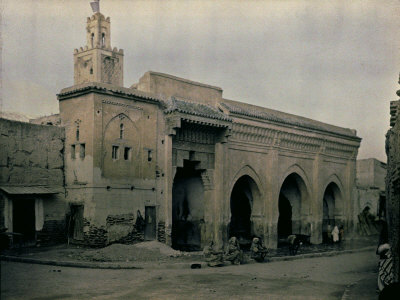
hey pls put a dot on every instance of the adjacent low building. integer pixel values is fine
(32, 194)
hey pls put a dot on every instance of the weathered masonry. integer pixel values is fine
(32, 203)
(393, 184)
(171, 159)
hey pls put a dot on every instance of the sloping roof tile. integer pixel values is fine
(196, 109)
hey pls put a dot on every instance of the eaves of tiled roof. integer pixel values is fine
(196, 109)
(107, 89)
(261, 113)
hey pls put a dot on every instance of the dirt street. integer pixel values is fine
(314, 278)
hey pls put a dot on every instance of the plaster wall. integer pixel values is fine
(32, 156)
(166, 86)
(371, 173)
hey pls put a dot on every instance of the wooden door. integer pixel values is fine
(150, 223)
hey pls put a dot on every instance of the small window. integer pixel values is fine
(91, 70)
(103, 40)
(77, 134)
(149, 155)
(121, 131)
(91, 39)
(127, 153)
(115, 150)
(82, 151)
(73, 151)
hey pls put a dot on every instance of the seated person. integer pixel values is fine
(213, 257)
(233, 253)
(258, 252)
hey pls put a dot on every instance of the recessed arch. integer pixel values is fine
(338, 193)
(187, 208)
(117, 151)
(293, 206)
(249, 171)
(296, 169)
(332, 208)
(246, 210)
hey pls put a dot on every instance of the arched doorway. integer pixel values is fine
(187, 208)
(293, 207)
(243, 202)
(331, 204)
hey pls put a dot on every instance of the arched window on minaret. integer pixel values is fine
(91, 70)
(121, 131)
(103, 40)
(91, 39)
(77, 133)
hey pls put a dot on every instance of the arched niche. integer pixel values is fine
(293, 206)
(187, 208)
(246, 210)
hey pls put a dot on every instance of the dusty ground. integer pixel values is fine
(154, 251)
(315, 278)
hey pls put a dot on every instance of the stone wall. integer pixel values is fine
(371, 173)
(122, 229)
(53, 232)
(31, 154)
(393, 183)
(31, 157)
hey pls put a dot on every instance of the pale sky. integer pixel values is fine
(334, 61)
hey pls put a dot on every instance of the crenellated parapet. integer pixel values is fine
(86, 48)
(98, 61)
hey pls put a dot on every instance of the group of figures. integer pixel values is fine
(233, 253)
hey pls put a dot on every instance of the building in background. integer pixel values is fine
(370, 201)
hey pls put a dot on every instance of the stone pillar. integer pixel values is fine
(272, 199)
(349, 197)
(218, 205)
(316, 209)
(168, 183)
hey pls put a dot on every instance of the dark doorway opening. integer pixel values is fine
(292, 208)
(24, 219)
(150, 223)
(75, 223)
(187, 208)
(331, 197)
(285, 217)
(382, 207)
(241, 208)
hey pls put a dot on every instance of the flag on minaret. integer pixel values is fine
(95, 6)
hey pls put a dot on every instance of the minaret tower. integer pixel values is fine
(97, 61)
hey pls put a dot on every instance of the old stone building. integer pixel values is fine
(172, 159)
(393, 183)
(32, 201)
(371, 174)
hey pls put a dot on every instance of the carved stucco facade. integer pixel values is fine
(189, 149)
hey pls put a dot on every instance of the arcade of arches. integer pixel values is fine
(246, 205)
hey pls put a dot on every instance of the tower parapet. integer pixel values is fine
(98, 61)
